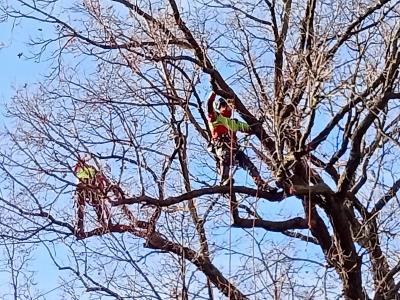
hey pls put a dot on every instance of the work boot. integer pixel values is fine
(227, 181)
(263, 186)
(270, 189)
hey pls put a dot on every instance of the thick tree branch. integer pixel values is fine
(273, 197)
(276, 226)
(386, 198)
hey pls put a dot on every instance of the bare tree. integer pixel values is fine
(318, 83)
(16, 261)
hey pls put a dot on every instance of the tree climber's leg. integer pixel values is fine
(90, 191)
(223, 153)
(107, 215)
(103, 184)
(102, 212)
(100, 184)
(245, 163)
(81, 195)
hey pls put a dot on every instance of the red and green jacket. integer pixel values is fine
(222, 126)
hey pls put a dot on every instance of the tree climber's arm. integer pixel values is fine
(234, 125)
(210, 107)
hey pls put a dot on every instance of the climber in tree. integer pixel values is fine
(223, 131)
(91, 189)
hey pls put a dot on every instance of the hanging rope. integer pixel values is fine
(309, 171)
(230, 199)
(309, 191)
(254, 230)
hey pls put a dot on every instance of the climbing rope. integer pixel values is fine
(309, 191)
(230, 200)
(309, 172)
(254, 223)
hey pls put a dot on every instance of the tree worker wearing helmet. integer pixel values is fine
(223, 131)
(90, 189)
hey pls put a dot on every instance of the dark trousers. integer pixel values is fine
(228, 154)
(89, 191)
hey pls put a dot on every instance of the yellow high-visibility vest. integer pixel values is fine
(86, 172)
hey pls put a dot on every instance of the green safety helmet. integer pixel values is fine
(218, 103)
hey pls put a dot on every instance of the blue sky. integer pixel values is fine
(15, 73)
